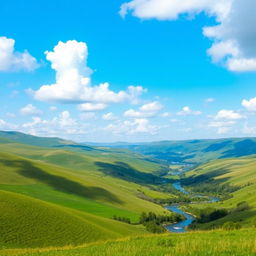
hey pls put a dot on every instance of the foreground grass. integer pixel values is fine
(213, 243)
(30, 223)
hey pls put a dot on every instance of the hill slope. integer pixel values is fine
(40, 198)
(27, 222)
(235, 178)
(194, 151)
(214, 243)
(19, 137)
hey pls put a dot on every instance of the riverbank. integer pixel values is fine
(181, 227)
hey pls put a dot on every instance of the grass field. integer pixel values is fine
(59, 198)
(213, 243)
(27, 222)
(239, 172)
(47, 204)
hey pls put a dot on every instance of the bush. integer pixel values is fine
(122, 219)
(211, 214)
(230, 225)
(242, 206)
(153, 227)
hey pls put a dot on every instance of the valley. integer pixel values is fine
(64, 198)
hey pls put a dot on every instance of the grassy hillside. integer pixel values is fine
(194, 151)
(33, 140)
(47, 204)
(27, 222)
(214, 243)
(235, 178)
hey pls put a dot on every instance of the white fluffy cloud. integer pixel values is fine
(11, 60)
(234, 36)
(147, 110)
(90, 107)
(222, 126)
(228, 115)
(186, 111)
(30, 110)
(224, 120)
(7, 126)
(138, 125)
(73, 81)
(172, 9)
(57, 126)
(250, 105)
(109, 116)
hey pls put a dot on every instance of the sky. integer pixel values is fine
(140, 70)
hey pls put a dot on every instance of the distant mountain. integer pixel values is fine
(194, 151)
(18, 137)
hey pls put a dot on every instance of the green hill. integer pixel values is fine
(214, 243)
(27, 222)
(194, 151)
(233, 179)
(19, 137)
(39, 198)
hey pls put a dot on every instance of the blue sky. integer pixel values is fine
(173, 72)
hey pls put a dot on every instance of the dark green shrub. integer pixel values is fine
(153, 227)
(242, 206)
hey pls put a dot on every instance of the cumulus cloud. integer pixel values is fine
(61, 124)
(234, 36)
(222, 126)
(147, 110)
(30, 110)
(172, 9)
(73, 79)
(250, 105)
(186, 111)
(92, 107)
(11, 60)
(251, 130)
(228, 115)
(138, 125)
(224, 120)
(7, 126)
(109, 116)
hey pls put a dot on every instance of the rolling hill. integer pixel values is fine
(194, 151)
(56, 196)
(59, 197)
(235, 178)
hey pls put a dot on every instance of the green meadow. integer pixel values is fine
(62, 198)
(237, 173)
(212, 243)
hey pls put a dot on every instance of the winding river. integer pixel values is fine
(180, 227)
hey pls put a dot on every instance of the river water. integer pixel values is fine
(180, 227)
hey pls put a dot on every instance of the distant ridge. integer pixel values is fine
(19, 137)
(192, 151)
